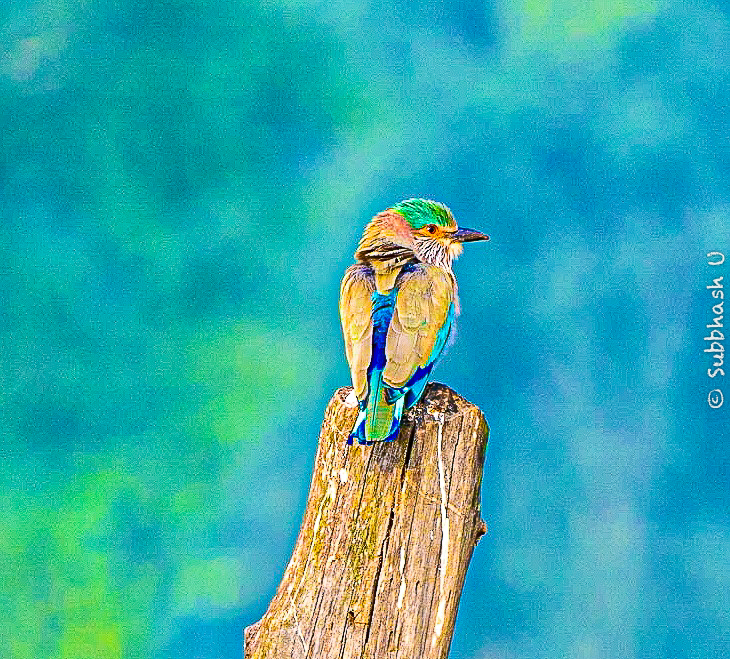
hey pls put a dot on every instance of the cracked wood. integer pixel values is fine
(386, 539)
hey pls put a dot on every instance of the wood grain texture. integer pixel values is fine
(386, 539)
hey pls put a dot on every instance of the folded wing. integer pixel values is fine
(356, 315)
(420, 324)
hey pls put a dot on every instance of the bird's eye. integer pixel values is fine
(431, 228)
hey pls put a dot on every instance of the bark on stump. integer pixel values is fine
(387, 537)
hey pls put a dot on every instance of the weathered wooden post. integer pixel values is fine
(387, 537)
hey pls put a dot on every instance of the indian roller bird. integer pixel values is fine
(397, 306)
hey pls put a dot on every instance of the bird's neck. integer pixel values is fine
(385, 240)
(387, 246)
(379, 250)
(387, 271)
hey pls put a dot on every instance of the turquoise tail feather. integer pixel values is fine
(379, 420)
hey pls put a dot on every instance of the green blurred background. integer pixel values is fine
(182, 184)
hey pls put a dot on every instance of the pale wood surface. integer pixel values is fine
(386, 539)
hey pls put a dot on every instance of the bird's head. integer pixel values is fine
(415, 228)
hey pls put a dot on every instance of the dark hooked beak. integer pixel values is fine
(465, 235)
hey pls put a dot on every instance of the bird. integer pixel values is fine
(398, 303)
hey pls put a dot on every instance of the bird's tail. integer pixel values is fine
(379, 421)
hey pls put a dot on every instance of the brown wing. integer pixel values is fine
(356, 315)
(421, 309)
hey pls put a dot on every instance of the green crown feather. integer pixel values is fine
(420, 212)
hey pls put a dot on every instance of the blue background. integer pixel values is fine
(182, 184)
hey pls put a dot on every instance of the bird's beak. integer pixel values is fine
(465, 235)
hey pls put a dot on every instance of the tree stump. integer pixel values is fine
(387, 537)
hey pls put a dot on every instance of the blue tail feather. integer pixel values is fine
(358, 431)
